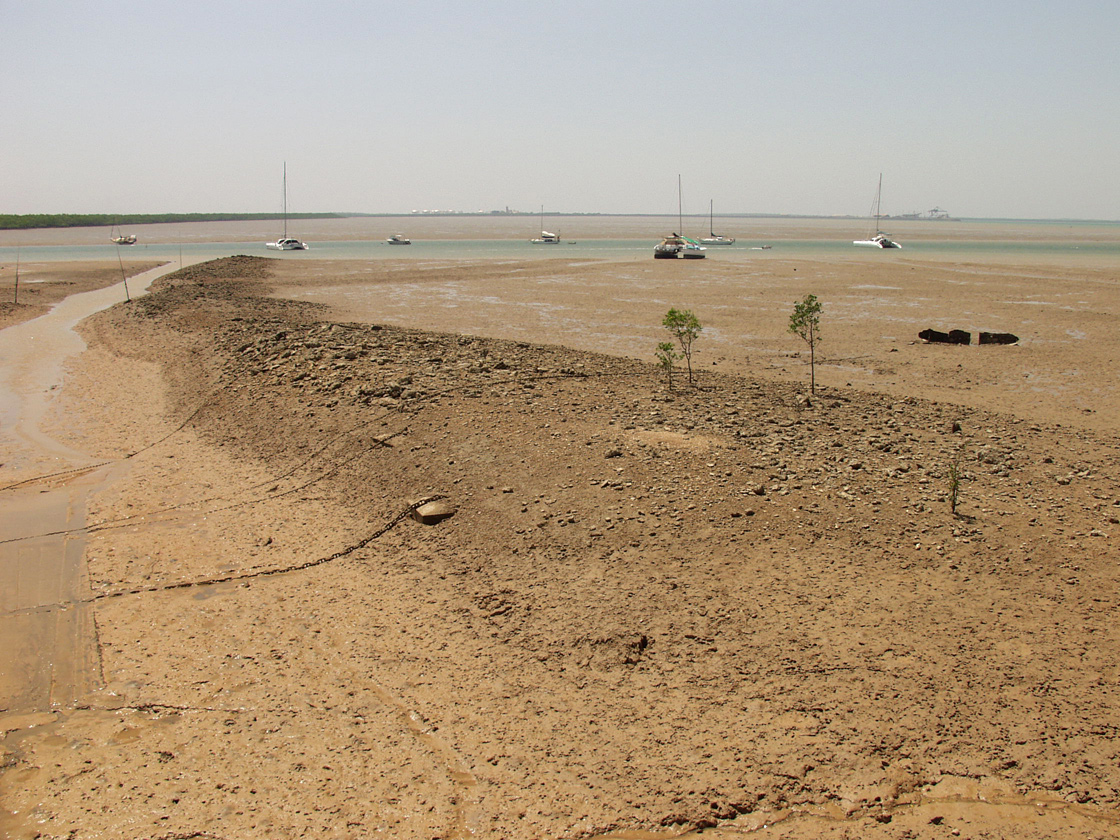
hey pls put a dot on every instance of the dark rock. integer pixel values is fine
(998, 338)
(951, 337)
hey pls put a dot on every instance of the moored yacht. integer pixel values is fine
(676, 247)
(285, 242)
(879, 239)
(714, 238)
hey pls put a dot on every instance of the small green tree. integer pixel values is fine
(685, 328)
(805, 322)
(666, 355)
(955, 475)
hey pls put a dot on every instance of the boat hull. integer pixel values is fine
(286, 245)
(879, 241)
(678, 247)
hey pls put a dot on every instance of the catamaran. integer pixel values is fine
(285, 242)
(879, 239)
(678, 246)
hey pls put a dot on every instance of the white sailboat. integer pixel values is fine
(878, 239)
(285, 242)
(546, 237)
(714, 238)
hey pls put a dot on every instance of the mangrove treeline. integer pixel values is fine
(66, 220)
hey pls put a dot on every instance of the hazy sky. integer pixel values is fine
(984, 108)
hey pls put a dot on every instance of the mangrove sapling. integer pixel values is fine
(665, 357)
(685, 328)
(805, 322)
(955, 476)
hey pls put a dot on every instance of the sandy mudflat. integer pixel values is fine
(652, 610)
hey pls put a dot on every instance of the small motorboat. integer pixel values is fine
(398, 239)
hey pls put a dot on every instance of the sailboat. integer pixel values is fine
(546, 237)
(286, 243)
(119, 237)
(714, 238)
(678, 246)
(879, 239)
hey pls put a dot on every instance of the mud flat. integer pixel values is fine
(725, 605)
(43, 284)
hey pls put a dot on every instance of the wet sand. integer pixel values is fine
(652, 610)
(43, 284)
(1061, 370)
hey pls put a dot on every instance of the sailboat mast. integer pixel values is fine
(878, 198)
(680, 208)
(285, 199)
(711, 218)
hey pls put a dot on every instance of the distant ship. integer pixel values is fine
(934, 215)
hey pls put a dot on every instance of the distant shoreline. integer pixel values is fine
(47, 221)
(37, 221)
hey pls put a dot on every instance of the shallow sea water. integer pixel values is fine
(594, 238)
